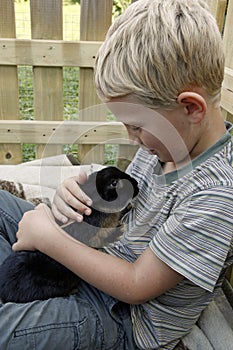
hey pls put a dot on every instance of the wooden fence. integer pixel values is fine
(48, 53)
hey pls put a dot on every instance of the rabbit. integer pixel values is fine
(31, 275)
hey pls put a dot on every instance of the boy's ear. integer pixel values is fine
(194, 105)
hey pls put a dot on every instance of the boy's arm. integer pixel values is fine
(133, 283)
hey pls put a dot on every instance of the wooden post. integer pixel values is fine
(47, 23)
(95, 19)
(9, 99)
(228, 47)
(218, 9)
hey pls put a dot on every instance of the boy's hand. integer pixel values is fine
(33, 228)
(68, 196)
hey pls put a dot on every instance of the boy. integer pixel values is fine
(160, 72)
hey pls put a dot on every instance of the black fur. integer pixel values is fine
(26, 276)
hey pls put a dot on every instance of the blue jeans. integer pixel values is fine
(89, 319)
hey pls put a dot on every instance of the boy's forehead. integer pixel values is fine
(128, 109)
(133, 112)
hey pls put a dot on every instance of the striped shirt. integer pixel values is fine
(186, 218)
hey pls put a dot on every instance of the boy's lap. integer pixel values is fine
(58, 323)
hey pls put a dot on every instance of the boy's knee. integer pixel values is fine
(11, 203)
(5, 196)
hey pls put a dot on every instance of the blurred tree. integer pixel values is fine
(118, 5)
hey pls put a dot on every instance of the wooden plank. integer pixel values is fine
(93, 26)
(47, 23)
(221, 12)
(227, 91)
(228, 38)
(62, 132)
(227, 94)
(218, 9)
(54, 53)
(9, 101)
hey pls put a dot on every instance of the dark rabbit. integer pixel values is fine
(26, 276)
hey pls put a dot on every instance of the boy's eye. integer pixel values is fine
(133, 127)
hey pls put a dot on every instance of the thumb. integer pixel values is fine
(16, 246)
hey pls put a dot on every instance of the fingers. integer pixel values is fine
(75, 191)
(70, 202)
(32, 228)
(81, 178)
(63, 212)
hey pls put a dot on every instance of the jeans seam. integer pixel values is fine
(46, 327)
(99, 325)
(9, 217)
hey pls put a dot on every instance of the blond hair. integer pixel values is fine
(158, 48)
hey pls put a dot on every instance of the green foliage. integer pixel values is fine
(120, 6)
(75, 2)
(28, 152)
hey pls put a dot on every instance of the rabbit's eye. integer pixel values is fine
(114, 183)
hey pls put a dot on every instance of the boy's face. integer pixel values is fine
(162, 132)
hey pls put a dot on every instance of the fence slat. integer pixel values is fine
(9, 99)
(53, 53)
(93, 26)
(47, 23)
(227, 93)
(228, 39)
(62, 132)
(218, 9)
(227, 98)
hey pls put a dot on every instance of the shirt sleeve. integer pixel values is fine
(197, 237)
